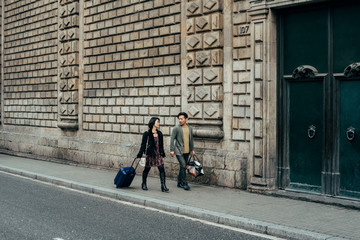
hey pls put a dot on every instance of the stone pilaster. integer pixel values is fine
(68, 66)
(263, 115)
(203, 77)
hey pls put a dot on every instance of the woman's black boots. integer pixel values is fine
(143, 184)
(162, 180)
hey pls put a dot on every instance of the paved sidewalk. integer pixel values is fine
(282, 217)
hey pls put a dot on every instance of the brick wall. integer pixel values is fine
(30, 63)
(132, 64)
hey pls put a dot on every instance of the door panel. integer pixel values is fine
(305, 40)
(346, 52)
(305, 153)
(346, 37)
(349, 149)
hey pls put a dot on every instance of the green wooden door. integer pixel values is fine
(326, 40)
(346, 55)
(305, 146)
(305, 95)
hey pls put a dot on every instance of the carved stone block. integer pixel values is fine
(73, 34)
(69, 72)
(212, 40)
(195, 110)
(62, 36)
(202, 23)
(194, 8)
(73, 84)
(203, 58)
(75, 21)
(66, 22)
(73, 8)
(211, 5)
(75, 96)
(190, 25)
(217, 93)
(212, 75)
(61, 97)
(202, 93)
(194, 76)
(194, 42)
(212, 110)
(66, 97)
(63, 11)
(73, 59)
(63, 61)
(72, 109)
(191, 94)
(190, 59)
(63, 109)
(63, 85)
(217, 57)
(216, 21)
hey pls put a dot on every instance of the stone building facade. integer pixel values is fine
(81, 78)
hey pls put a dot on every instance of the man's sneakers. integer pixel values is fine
(185, 186)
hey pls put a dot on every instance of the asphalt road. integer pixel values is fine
(33, 210)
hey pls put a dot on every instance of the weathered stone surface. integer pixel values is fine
(127, 62)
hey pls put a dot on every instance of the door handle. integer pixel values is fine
(311, 131)
(350, 133)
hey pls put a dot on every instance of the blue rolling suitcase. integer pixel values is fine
(125, 176)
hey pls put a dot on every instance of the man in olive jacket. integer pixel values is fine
(181, 145)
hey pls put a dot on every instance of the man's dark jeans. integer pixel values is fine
(182, 172)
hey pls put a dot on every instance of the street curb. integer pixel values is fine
(207, 215)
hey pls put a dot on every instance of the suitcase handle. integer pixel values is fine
(136, 164)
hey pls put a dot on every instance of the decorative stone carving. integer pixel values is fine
(195, 110)
(353, 70)
(212, 75)
(217, 57)
(216, 21)
(217, 93)
(212, 40)
(211, 5)
(190, 59)
(305, 71)
(68, 65)
(194, 8)
(204, 60)
(202, 93)
(202, 23)
(194, 75)
(194, 42)
(190, 26)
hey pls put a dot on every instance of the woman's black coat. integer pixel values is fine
(151, 148)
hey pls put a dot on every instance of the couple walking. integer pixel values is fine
(181, 146)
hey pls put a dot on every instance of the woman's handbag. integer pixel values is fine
(142, 161)
(194, 167)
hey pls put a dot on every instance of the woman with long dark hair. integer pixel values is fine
(153, 145)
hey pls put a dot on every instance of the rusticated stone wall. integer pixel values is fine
(30, 63)
(81, 78)
(132, 65)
